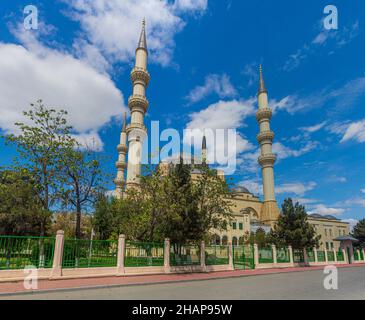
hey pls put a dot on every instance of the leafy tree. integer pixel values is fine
(168, 204)
(82, 179)
(21, 212)
(293, 228)
(359, 232)
(41, 138)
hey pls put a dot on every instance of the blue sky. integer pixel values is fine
(204, 57)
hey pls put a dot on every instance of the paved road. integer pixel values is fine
(296, 285)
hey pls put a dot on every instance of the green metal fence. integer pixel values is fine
(18, 252)
(356, 255)
(243, 257)
(330, 256)
(282, 255)
(298, 256)
(361, 255)
(143, 254)
(266, 255)
(79, 253)
(184, 255)
(216, 255)
(321, 256)
(310, 255)
(340, 256)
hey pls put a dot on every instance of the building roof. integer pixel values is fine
(241, 190)
(326, 217)
(344, 238)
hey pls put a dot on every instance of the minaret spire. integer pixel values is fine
(270, 211)
(142, 44)
(262, 87)
(138, 105)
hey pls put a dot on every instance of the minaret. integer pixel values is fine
(204, 150)
(138, 105)
(121, 164)
(270, 211)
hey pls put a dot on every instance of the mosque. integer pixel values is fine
(249, 211)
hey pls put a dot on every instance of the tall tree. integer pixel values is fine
(293, 228)
(359, 232)
(39, 142)
(82, 180)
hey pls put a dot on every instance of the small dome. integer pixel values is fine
(241, 190)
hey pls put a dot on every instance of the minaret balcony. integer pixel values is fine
(121, 164)
(140, 75)
(265, 136)
(263, 114)
(119, 182)
(267, 160)
(122, 148)
(138, 102)
(133, 126)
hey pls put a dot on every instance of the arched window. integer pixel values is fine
(234, 241)
(224, 240)
(216, 240)
(241, 241)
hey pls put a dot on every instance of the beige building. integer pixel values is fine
(329, 228)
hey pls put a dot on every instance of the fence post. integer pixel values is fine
(359, 255)
(291, 255)
(58, 255)
(121, 255)
(274, 255)
(345, 257)
(202, 256)
(315, 254)
(326, 255)
(230, 256)
(305, 256)
(363, 254)
(256, 254)
(166, 256)
(335, 254)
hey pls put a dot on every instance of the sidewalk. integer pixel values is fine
(103, 282)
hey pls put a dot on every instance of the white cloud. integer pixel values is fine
(304, 201)
(251, 71)
(295, 188)
(214, 83)
(363, 190)
(90, 141)
(355, 131)
(314, 128)
(253, 185)
(32, 71)
(113, 26)
(284, 152)
(324, 210)
(222, 115)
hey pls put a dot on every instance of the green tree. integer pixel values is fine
(82, 180)
(21, 212)
(359, 232)
(41, 138)
(293, 228)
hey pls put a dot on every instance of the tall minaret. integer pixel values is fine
(270, 211)
(138, 105)
(204, 150)
(121, 163)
